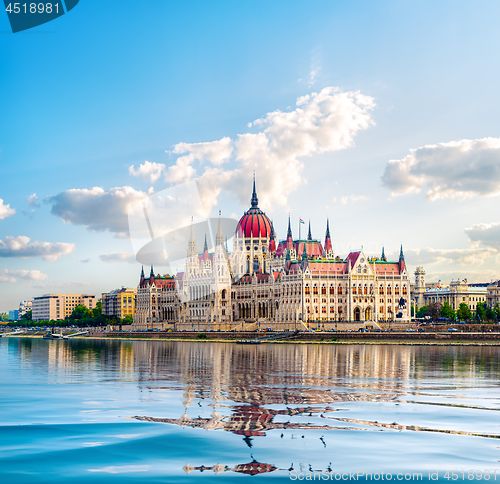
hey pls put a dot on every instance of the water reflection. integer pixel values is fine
(311, 401)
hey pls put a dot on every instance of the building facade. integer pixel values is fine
(119, 303)
(266, 281)
(456, 293)
(493, 294)
(56, 307)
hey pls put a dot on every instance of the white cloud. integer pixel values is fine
(352, 199)
(96, 208)
(147, 170)
(22, 247)
(33, 200)
(458, 169)
(465, 257)
(487, 235)
(215, 152)
(118, 257)
(5, 210)
(323, 122)
(14, 276)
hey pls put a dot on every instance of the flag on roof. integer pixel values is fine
(301, 221)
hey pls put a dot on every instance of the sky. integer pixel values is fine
(380, 116)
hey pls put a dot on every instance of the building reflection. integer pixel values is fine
(252, 468)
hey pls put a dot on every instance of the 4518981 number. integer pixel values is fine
(32, 7)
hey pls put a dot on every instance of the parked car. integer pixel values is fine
(411, 330)
(453, 330)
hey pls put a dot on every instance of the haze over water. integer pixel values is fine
(151, 411)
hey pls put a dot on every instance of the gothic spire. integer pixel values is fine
(309, 236)
(205, 247)
(142, 272)
(304, 252)
(289, 233)
(401, 255)
(383, 254)
(255, 200)
(327, 229)
(151, 274)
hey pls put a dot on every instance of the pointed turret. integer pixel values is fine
(219, 238)
(304, 252)
(142, 272)
(383, 254)
(205, 246)
(151, 274)
(289, 238)
(254, 201)
(402, 263)
(288, 255)
(309, 236)
(192, 251)
(328, 240)
(272, 240)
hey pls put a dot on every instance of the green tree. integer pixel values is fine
(480, 311)
(27, 316)
(497, 311)
(128, 319)
(447, 311)
(490, 314)
(4, 317)
(423, 311)
(464, 313)
(97, 311)
(80, 312)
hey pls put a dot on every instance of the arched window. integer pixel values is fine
(307, 289)
(223, 295)
(315, 289)
(332, 290)
(339, 290)
(323, 289)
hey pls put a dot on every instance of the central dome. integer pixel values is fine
(254, 223)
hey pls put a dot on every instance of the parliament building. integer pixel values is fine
(264, 282)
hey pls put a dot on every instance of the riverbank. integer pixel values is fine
(394, 338)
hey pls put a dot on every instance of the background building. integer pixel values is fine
(59, 306)
(13, 315)
(24, 307)
(493, 294)
(119, 303)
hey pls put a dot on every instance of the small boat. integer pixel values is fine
(50, 335)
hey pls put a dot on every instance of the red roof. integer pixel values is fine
(353, 257)
(254, 223)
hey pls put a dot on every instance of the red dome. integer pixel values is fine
(254, 223)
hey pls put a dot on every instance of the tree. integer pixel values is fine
(447, 311)
(490, 314)
(423, 311)
(27, 316)
(97, 311)
(497, 311)
(128, 319)
(80, 312)
(464, 313)
(4, 317)
(480, 311)
(433, 310)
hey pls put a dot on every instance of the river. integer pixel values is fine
(151, 411)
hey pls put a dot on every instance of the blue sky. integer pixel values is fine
(106, 87)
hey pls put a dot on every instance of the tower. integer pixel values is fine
(328, 242)
(419, 286)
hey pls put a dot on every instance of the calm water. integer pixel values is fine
(108, 411)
